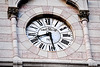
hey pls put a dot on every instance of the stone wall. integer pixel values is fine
(57, 7)
(6, 50)
(94, 28)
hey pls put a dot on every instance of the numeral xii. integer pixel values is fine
(39, 22)
(47, 20)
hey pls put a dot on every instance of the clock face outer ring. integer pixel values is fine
(49, 33)
(77, 42)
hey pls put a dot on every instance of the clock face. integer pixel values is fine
(49, 34)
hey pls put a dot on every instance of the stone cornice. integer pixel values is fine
(12, 11)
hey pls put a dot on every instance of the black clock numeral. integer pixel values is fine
(60, 47)
(65, 42)
(31, 34)
(47, 20)
(51, 48)
(66, 35)
(56, 23)
(63, 28)
(35, 40)
(33, 27)
(39, 22)
(41, 46)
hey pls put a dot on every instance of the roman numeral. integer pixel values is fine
(33, 27)
(51, 48)
(39, 22)
(35, 40)
(47, 20)
(65, 42)
(41, 46)
(56, 23)
(31, 34)
(60, 47)
(63, 28)
(66, 35)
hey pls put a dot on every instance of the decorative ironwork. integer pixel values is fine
(12, 11)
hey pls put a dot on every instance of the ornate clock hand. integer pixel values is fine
(50, 34)
(47, 34)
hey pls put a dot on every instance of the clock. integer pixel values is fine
(49, 33)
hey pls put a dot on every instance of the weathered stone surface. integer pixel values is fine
(2, 1)
(6, 53)
(5, 30)
(94, 33)
(5, 37)
(6, 45)
(3, 15)
(75, 52)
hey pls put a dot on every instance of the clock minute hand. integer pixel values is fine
(50, 34)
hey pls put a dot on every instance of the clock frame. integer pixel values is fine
(37, 52)
(49, 33)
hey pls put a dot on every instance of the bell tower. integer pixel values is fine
(49, 33)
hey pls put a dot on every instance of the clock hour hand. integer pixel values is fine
(50, 34)
(47, 34)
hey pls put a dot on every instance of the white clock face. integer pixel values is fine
(49, 34)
